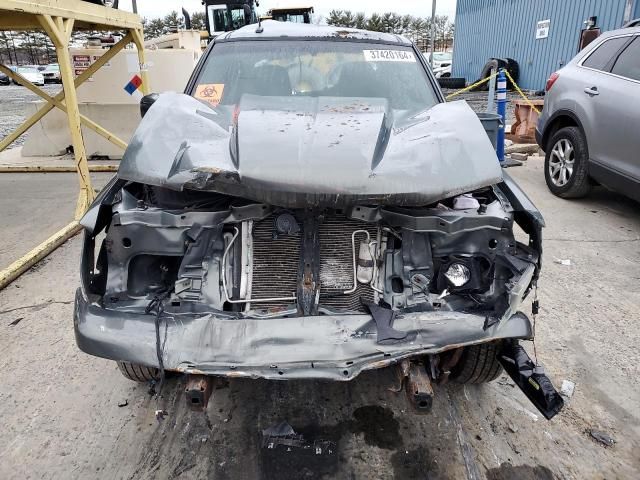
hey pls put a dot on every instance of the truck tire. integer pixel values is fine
(496, 63)
(451, 82)
(478, 364)
(138, 373)
(578, 183)
(514, 70)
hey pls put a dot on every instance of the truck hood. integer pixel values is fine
(307, 152)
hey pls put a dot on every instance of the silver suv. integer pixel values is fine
(589, 125)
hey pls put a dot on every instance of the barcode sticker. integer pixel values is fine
(388, 56)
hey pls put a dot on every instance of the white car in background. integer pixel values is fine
(442, 72)
(440, 59)
(51, 73)
(32, 74)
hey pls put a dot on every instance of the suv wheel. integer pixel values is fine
(565, 164)
(138, 373)
(478, 364)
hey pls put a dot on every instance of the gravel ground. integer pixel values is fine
(68, 415)
(13, 99)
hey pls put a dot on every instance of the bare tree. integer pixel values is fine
(5, 47)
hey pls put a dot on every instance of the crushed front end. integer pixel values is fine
(255, 290)
(201, 281)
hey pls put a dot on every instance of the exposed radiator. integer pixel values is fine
(336, 262)
(276, 262)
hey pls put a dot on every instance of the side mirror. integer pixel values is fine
(146, 102)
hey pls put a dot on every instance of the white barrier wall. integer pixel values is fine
(104, 100)
(50, 136)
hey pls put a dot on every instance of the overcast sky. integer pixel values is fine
(419, 8)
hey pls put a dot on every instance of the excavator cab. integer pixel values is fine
(225, 16)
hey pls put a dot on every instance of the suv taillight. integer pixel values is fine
(552, 79)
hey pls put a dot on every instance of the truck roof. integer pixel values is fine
(292, 7)
(279, 30)
(225, 2)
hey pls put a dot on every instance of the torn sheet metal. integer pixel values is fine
(335, 347)
(306, 151)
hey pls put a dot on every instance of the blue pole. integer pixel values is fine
(502, 111)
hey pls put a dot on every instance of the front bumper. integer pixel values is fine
(538, 135)
(322, 347)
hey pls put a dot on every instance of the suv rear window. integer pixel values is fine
(628, 63)
(280, 69)
(601, 56)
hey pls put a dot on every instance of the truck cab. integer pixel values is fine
(224, 16)
(292, 14)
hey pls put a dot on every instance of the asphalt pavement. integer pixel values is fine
(67, 415)
(34, 206)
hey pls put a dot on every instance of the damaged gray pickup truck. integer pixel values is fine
(311, 209)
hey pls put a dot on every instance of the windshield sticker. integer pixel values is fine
(388, 56)
(210, 93)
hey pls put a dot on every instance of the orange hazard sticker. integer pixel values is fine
(210, 93)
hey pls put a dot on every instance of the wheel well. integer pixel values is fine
(557, 123)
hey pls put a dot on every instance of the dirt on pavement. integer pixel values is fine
(61, 416)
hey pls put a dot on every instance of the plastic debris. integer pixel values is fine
(506, 382)
(160, 414)
(282, 434)
(567, 389)
(124, 404)
(152, 388)
(602, 437)
(566, 262)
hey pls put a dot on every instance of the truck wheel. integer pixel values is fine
(565, 164)
(478, 364)
(514, 70)
(138, 373)
(496, 63)
(451, 82)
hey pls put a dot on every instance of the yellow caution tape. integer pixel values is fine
(470, 87)
(535, 109)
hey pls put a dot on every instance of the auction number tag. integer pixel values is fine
(388, 56)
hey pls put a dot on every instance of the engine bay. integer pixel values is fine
(213, 253)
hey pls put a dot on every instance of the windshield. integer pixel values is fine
(289, 17)
(52, 68)
(223, 19)
(27, 70)
(281, 69)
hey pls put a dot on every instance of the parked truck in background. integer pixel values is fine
(224, 16)
(291, 14)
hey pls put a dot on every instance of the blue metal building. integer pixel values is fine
(541, 35)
